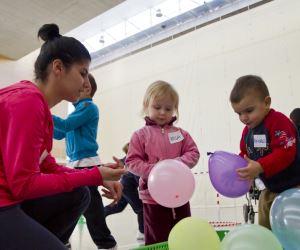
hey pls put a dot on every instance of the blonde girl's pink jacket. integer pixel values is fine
(27, 169)
(154, 143)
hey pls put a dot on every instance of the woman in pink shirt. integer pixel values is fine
(41, 201)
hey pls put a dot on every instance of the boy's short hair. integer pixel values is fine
(295, 116)
(246, 84)
(93, 84)
(125, 148)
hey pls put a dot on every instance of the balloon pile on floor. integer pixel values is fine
(197, 234)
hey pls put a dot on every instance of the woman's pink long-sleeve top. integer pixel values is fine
(27, 169)
(154, 143)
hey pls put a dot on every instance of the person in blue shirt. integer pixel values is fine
(295, 117)
(80, 131)
(130, 196)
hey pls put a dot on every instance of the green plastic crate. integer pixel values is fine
(222, 233)
(81, 220)
(164, 245)
(157, 246)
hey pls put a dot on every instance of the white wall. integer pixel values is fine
(7, 71)
(203, 66)
(14, 71)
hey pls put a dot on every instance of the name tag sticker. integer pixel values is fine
(260, 141)
(175, 137)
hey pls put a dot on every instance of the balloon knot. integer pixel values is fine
(209, 153)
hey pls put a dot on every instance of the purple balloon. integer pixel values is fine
(222, 168)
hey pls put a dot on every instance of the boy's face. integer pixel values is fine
(252, 110)
(86, 91)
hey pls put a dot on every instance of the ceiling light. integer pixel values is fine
(101, 40)
(158, 13)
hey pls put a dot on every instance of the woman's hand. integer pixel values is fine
(113, 190)
(117, 164)
(111, 174)
(112, 171)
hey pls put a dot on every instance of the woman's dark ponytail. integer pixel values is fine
(67, 49)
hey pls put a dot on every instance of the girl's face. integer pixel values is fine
(252, 110)
(161, 110)
(73, 80)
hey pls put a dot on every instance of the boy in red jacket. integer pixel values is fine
(268, 143)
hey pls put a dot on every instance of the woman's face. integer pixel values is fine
(72, 81)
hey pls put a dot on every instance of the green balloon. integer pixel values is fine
(193, 234)
(250, 237)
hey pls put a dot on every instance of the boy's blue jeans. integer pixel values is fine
(130, 195)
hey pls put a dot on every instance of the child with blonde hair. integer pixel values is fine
(158, 140)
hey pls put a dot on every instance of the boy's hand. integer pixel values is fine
(113, 190)
(250, 172)
(111, 174)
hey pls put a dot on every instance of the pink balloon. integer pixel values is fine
(171, 183)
